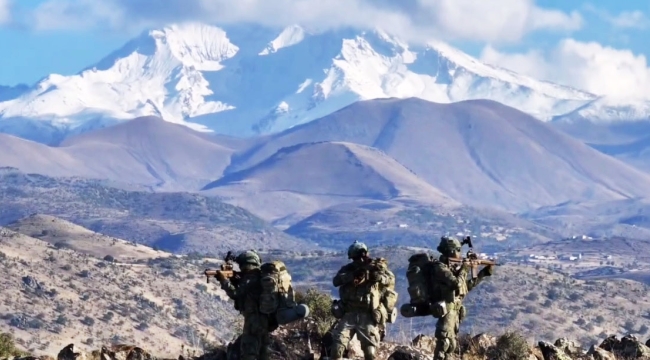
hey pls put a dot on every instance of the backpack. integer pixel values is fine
(388, 293)
(277, 291)
(422, 290)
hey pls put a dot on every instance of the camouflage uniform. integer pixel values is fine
(363, 313)
(245, 291)
(454, 286)
(391, 284)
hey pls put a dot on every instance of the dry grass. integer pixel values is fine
(52, 297)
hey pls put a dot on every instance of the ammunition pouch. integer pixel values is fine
(462, 313)
(379, 315)
(337, 309)
(391, 316)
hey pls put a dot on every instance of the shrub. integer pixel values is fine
(88, 321)
(8, 346)
(109, 258)
(510, 346)
(533, 296)
(61, 320)
(62, 245)
(319, 308)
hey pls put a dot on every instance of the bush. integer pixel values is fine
(319, 308)
(510, 346)
(88, 321)
(8, 346)
(109, 258)
(533, 296)
(62, 245)
(61, 320)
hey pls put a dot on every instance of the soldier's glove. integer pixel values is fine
(488, 270)
(465, 265)
(360, 275)
(220, 276)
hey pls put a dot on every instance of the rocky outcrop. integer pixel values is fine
(629, 346)
(296, 344)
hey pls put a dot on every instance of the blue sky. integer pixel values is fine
(39, 37)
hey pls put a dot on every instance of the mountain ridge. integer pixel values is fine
(481, 132)
(211, 79)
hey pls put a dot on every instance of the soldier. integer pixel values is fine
(245, 290)
(388, 291)
(454, 286)
(360, 290)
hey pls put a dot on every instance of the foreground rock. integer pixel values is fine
(300, 344)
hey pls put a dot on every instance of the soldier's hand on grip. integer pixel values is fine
(465, 265)
(220, 276)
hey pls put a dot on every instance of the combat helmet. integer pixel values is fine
(357, 249)
(248, 260)
(448, 245)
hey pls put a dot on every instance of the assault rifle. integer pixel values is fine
(227, 268)
(472, 259)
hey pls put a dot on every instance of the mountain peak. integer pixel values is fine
(196, 45)
(243, 80)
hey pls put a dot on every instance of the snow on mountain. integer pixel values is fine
(609, 109)
(608, 121)
(246, 80)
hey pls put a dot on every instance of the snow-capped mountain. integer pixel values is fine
(246, 80)
(608, 109)
(608, 121)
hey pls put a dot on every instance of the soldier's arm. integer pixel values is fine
(445, 275)
(485, 272)
(229, 288)
(344, 276)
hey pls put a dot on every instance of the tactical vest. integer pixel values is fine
(449, 294)
(248, 290)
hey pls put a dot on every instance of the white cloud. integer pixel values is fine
(487, 20)
(589, 66)
(5, 11)
(626, 19)
(630, 19)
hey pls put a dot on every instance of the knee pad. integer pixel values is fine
(369, 352)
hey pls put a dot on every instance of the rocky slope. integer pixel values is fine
(176, 222)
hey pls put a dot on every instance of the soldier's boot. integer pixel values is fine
(369, 353)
